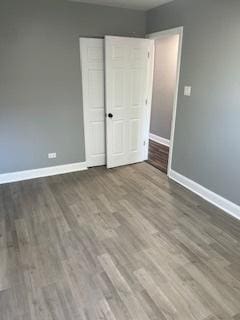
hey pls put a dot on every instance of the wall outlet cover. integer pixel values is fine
(52, 155)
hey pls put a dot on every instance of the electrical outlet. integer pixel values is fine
(52, 155)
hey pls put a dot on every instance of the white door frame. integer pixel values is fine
(149, 97)
(159, 35)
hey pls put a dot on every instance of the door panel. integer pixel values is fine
(118, 136)
(99, 140)
(92, 64)
(128, 75)
(118, 89)
(95, 89)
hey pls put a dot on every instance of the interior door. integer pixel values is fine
(128, 85)
(92, 65)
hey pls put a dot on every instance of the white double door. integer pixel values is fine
(117, 75)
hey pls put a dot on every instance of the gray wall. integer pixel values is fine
(207, 139)
(40, 79)
(164, 85)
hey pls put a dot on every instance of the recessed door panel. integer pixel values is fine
(118, 89)
(98, 145)
(134, 126)
(94, 51)
(95, 89)
(118, 136)
(136, 94)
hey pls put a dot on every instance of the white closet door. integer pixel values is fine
(92, 64)
(129, 76)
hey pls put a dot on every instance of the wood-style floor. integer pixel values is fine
(158, 155)
(121, 244)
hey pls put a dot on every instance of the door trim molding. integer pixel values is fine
(163, 33)
(42, 172)
(208, 195)
(149, 97)
(159, 139)
(158, 35)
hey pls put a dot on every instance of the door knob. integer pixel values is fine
(110, 115)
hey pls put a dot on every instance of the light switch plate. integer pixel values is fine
(187, 91)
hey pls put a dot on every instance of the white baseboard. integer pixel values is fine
(160, 140)
(42, 172)
(220, 202)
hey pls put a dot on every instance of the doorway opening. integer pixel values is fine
(168, 45)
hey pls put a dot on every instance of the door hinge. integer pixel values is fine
(146, 102)
(144, 143)
(148, 54)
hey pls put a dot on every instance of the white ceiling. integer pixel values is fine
(131, 4)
